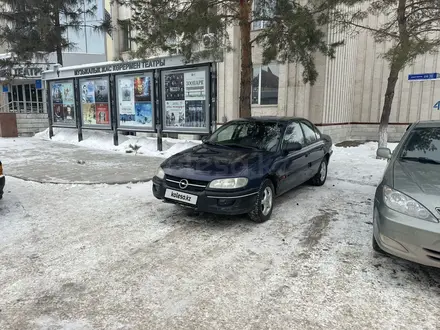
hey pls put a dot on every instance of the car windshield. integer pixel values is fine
(252, 135)
(423, 145)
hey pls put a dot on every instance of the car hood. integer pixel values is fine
(419, 181)
(206, 162)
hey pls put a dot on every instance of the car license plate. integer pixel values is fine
(181, 197)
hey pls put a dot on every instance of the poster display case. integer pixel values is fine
(135, 102)
(185, 100)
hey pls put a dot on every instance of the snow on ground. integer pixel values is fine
(113, 257)
(358, 164)
(104, 141)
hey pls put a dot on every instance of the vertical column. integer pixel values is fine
(213, 103)
(78, 109)
(49, 109)
(158, 107)
(114, 110)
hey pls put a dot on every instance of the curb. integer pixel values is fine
(85, 183)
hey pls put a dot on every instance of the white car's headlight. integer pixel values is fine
(234, 183)
(402, 203)
(160, 173)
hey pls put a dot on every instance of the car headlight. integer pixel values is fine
(233, 183)
(160, 173)
(402, 203)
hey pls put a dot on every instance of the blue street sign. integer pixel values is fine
(38, 84)
(423, 76)
(5, 88)
(437, 105)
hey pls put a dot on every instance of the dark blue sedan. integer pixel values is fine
(244, 165)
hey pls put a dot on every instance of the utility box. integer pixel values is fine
(8, 125)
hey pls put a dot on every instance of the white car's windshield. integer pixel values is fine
(423, 145)
(254, 135)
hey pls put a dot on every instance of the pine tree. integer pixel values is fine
(33, 29)
(291, 32)
(411, 28)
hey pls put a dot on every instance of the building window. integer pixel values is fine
(265, 84)
(25, 98)
(262, 9)
(125, 35)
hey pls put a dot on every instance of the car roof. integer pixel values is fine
(270, 119)
(427, 123)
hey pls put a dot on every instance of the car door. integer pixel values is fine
(314, 149)
(294, 163)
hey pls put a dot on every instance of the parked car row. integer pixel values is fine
(247, 163)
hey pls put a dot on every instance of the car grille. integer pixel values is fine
(433, 255)
(193, 185)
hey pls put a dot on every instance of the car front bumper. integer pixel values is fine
(225, 203)
(407, 237)
(2, 185)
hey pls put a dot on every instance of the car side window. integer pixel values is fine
(293, 134)
(309, 133)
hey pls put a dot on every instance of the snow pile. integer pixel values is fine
(104, 141)
(358, 164)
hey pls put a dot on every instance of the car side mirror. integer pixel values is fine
(293, 146)
(205, 138)
(383, 153)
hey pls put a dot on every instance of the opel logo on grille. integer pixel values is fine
(183, 184)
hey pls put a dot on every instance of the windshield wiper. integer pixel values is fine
(240, 146)
(421, 160)
(211, 143)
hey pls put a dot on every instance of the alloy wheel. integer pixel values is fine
(266, 201)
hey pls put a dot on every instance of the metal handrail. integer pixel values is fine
(7, 105)
(10, 107)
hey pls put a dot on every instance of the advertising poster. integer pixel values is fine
(175, 113)
(58, 113)
(68, 112)
(195, 85)
(142, 89)
(144, 114)
(135, 101)
(102, 114)
(57, 93)
(101, 91)
(95, 101)
(63, 103)
(89, 113)
(195, 114)
(174, 87)
(88, 92)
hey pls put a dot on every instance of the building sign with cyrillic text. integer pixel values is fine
(118, 67)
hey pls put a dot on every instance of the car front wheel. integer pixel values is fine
(264, 203)
(320, 177)
(376, 246)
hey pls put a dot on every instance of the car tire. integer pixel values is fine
(376, 246)
(264, 203)
(320, 177)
